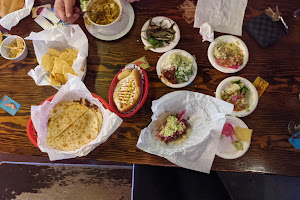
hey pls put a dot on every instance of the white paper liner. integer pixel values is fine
(58, 37)
(72, 90)
(205, 114)
(12, 19)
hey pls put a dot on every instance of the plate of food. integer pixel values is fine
(176, 68)
(235, 139)
(228, 54)
(160, 34)
(109, 22)
(128, 90)
(63, 109)
(240, 92)
(13, 48)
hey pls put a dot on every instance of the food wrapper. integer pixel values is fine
(141, 62)
(205, 114)
(260, 85)
(58, 37)
(207, 32)
(12, 19)
(224, 16)
(72, 90)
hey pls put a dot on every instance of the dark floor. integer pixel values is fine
(34, 181)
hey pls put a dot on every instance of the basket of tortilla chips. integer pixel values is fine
(59, 53)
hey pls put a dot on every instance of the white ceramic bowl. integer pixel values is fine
(90, 3)
(226, 149)
(252, 97)
(159, 68)
(229, 39)
(168, 22)
(5, 51)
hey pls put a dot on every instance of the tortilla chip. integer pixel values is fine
(61, 78)
(68, 69)
(47, 62)
(68, 57)
(243, 134)
(58, 66)
(53, 81)
(54, 52)
(74, 52)
(1, 37)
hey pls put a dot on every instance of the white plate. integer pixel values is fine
(252, 98)
(227, 38)
(117, 34)
(168, 22)
(226, 149)
(159, 74)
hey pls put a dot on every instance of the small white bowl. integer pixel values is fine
(90, 3)
(225, 148)
(229, 39)
(168, 22)
(253, 95)
(5, 51)
(159, 69)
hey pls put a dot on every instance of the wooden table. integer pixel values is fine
(270, 151)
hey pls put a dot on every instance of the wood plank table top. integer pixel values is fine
(270, 151)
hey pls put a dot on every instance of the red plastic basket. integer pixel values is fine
(31, 132)
(111, 93)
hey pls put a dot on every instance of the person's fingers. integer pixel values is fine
(60, 13)
(69, 8)
(72, 19)
(76, 10)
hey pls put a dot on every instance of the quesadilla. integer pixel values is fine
(73, 124)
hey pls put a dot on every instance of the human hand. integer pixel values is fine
(65, 10)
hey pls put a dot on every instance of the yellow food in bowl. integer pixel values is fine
(103, 12)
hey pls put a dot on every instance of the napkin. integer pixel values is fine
(224, 16)
(58, 37)
(12, 19)
(72, 90)
(206, 115)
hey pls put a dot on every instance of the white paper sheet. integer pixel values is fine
(207, 117)
(58, 37)
(224, 16)
(13, 18)
(72, 90)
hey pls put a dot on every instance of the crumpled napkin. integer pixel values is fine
(207, 32)
(72, 90)
(224, 16)
(12, 19)
(207, 117)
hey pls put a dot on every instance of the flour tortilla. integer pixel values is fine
(72, 125)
